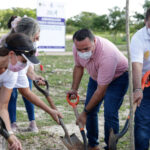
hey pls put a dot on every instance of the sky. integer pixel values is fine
(74, 7)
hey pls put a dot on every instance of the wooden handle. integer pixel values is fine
(51, 103)
(77, 115)
(65, 129)
(134, 107)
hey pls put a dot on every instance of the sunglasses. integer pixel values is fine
(21, 50)
(25, 52)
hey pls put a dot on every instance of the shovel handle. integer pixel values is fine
(77, 115)
(65, 129)
(46, 91)
(3, 130)
(145, 81)
(81, 129)
(63, 126)
(134, 107)
(73, 104)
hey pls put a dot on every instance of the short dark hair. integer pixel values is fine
(147, 15)
(12, 18)
(83, 34)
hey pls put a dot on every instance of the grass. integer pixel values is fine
(58, 71)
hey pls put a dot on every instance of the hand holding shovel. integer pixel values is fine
(71, 142)
(74, 106)
(138, 95)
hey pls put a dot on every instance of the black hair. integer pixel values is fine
(12, 18)
(17, 42)
(83, 34)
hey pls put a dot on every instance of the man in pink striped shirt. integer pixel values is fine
(108, 82)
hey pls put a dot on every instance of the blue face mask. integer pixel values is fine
(85, 55)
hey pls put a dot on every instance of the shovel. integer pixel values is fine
(71, 142)
(74, 106)
(4, 133)
(113, 138)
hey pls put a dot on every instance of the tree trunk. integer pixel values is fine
(132, 147)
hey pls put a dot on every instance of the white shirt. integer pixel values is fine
(22, 80)
(8, 79)
(140, 48)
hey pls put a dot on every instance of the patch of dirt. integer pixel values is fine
(48, 137)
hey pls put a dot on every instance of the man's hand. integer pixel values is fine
(72, 94)
(82, 119)
(56, 115)
(14, 143)
(138, 96)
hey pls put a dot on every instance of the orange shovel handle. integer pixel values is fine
(145, 83)
(73, 104)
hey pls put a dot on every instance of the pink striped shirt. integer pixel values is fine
(106, 62)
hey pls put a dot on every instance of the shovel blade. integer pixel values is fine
(75, 144)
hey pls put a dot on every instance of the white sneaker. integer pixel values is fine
(32, 127)
(14, 127)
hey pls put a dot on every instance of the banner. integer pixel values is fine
(51, 18)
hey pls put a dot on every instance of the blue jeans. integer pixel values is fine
(12, 105)
(112, 101)
(142, 122)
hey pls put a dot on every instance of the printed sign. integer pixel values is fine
(51, 18)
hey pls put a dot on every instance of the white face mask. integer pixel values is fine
(85, 55)
(148, 31)
(17, 67)
(35, 44)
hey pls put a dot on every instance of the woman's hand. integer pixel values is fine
(56, 115)
(14, 143)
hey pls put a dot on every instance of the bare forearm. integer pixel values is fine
(5, 116)
(96, 98)
(51, 103)
(34, 99)
(31, 74)
(137, 74)
(77, 75)
(4, 100)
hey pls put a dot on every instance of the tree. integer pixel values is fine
(7, 13)
(146, 5)
(101, 23)
(139, 18)
(83, 20)
(117, 19)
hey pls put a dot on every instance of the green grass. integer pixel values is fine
(58, 71)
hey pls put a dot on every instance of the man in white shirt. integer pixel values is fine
(140, 55)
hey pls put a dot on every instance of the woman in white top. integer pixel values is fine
(30, 27)
(15, 52)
